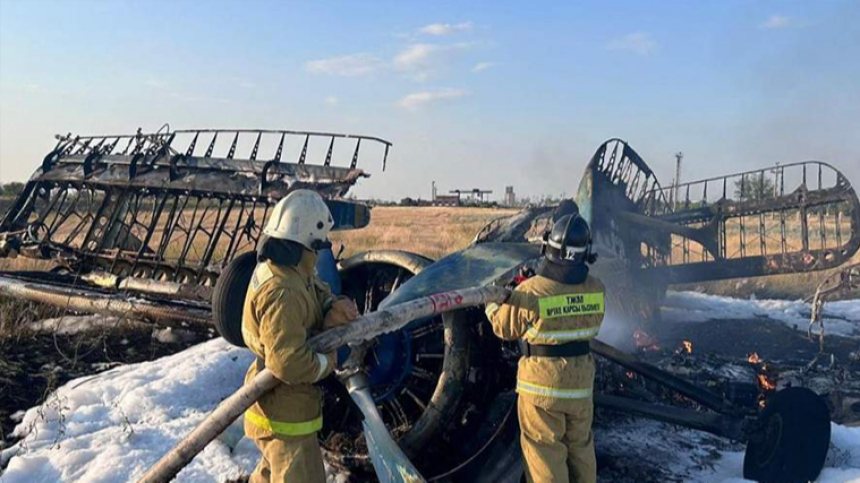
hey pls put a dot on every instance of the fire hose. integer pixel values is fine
(361, 330)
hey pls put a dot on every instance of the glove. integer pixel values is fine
(342, 312)
(491, 310)
(493, 307)
(523, 274)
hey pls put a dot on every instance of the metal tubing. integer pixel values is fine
(727, 426)
(698, 394)
(102, 304)
(389, 461)
(706, 235)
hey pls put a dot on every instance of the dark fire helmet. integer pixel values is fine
(569, 241)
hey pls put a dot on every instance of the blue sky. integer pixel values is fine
(472, 94)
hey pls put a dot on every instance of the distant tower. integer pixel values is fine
(433, 191)
(510, 197)
(678, 157)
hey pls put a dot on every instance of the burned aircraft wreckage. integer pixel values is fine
(163, 226)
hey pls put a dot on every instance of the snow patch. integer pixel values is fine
(111, 427)
(840, 317)
(842, 464)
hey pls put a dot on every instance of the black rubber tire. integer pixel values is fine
(228, 298)
(793, 440)
(502, 460)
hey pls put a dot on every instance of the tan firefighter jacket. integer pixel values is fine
(284, 306)
(545, 312)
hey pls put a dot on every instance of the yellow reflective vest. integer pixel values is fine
(283, 308)
(545, 312)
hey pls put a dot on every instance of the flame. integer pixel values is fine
(766, 383)
(688, 346)
(629, 374)
(753, 358)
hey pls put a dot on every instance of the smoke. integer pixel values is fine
(617, 330)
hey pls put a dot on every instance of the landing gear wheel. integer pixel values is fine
(792, 441)
(228, 298)
(440, 385)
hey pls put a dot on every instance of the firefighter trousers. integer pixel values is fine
(557, 445)
(289, 459)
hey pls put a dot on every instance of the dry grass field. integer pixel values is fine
(430, 231)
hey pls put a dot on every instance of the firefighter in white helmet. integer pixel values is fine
(286, 303)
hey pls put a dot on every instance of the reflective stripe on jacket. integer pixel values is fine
(545, 312)
(549, 337)
(283, 308)
(282, 428)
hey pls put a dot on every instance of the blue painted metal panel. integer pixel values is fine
(348, 215)
(327, 270)
(474, 266)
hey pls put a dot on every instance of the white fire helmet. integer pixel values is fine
(303, 217)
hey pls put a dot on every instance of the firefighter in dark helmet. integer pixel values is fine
(554, 315)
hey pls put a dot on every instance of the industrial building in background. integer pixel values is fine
(443, 200)
(460, 197)
(510, 197)
(474, 196)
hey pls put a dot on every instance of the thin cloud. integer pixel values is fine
(423, 61)
(641, 43)
(420, 61)
(417, 100)
(482, 66)
(156, 83)
(245, 83)
(777, 22)
(439, 29)
(181, 96)
(354, 65)
(27, 87)
(417, 54)
(332, 101)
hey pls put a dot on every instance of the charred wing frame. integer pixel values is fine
(786, 219)
(175, 206)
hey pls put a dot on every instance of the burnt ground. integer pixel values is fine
(636, 450)
(771, 340)
(32, 364)
(632, 449)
